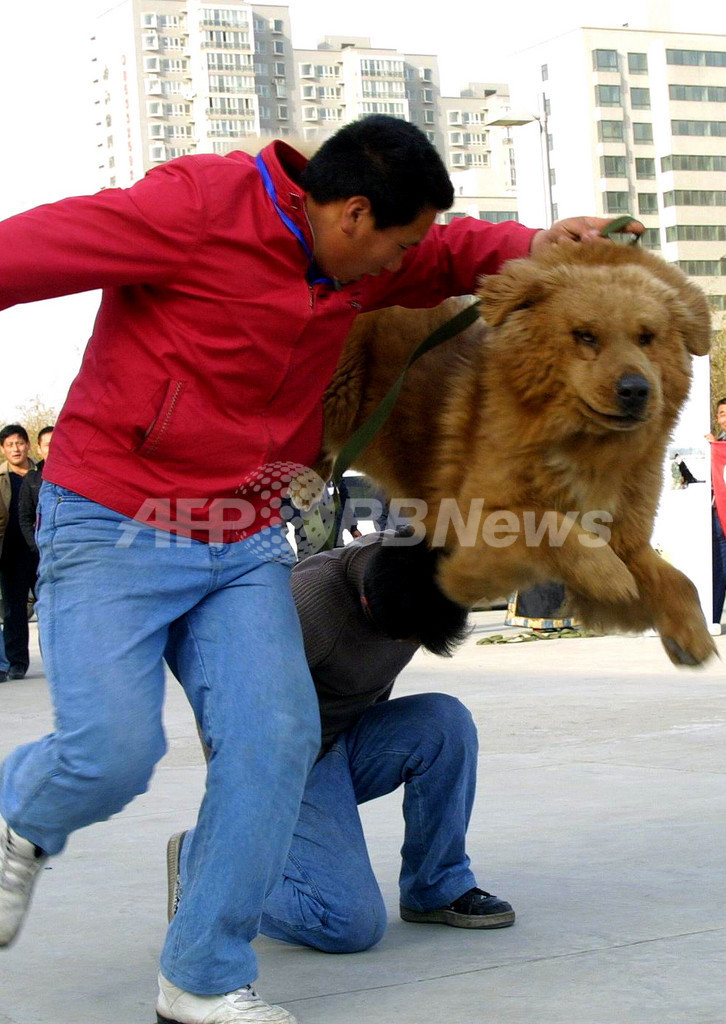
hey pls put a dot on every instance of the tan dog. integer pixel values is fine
(562, 402)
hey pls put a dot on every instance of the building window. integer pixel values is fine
(553, 176)
(454, 117)
(650, 239)
(613, 167)
(427, 95)
(282, 113)
(555, 211)
(148, 21)
(640, 99)
(429, 117)
(605, 60)
(638, 63)
(550, 142)
(682, 162)
(610, 131)
(498, 216)
(226, 40)
(697, 58)
(647, 202)
(696, 233)
(426, 74)
(694, 197)
(642, 132)
(717, 301)
(545, 72)
(710, 128)
(278, 47)
(547, 106)
(703, 268)
(615, 202)
(607, 96)
(698, 93)
(644, 167)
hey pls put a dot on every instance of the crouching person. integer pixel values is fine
(365, 610)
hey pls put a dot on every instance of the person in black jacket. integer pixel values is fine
(28, 500)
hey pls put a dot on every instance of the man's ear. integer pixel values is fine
(521, 283)
(353, 213)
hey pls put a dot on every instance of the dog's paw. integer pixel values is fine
(690, 647)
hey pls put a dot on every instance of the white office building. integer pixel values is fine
(633, 121)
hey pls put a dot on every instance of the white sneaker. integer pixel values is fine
(243, 1006)
(20, 862)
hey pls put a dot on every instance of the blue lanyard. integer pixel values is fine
(313, 276)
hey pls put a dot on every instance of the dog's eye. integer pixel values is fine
(645, 338)
(585, 337)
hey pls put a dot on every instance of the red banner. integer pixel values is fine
(718, 478)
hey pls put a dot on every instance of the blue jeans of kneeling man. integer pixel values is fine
(327, 896)
(112, 603)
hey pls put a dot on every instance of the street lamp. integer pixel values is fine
(516, 121)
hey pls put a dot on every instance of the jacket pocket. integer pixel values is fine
(159, 426)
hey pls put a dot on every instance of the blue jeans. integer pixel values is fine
(718, 546)
(113, 600)
(327, 896)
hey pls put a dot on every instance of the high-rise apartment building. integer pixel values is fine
(346, 78)
(188, 76)
(629, 120)
(183, 76)
(479, 157)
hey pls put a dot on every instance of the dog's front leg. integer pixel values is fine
(671, 602)
(517, 548)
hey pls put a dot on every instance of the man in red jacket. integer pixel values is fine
(229, 284)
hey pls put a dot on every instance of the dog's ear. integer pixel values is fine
(691, 311)
(521, 284)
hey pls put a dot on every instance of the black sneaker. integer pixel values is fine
(475, 909)
(16, 672)
(3, 677)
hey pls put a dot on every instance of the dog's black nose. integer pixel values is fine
(633, 392)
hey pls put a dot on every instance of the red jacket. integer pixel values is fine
(210, 352)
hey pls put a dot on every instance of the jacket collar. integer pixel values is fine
(5, 468)
(285, 165)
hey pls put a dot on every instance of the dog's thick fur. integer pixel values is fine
(524, 410)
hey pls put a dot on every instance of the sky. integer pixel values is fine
(46, 121)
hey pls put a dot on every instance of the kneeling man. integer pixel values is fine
(365, 610)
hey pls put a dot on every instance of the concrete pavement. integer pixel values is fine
(601, 817)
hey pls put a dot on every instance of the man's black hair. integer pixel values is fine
(385, 159)
(721, 401)
(405, 601)
(13, 428)
(44, 431)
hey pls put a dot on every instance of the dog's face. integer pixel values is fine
(598, 335)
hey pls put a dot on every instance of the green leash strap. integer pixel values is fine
(368, 430)
(370, 427)
(363, 436)
(617, 226)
